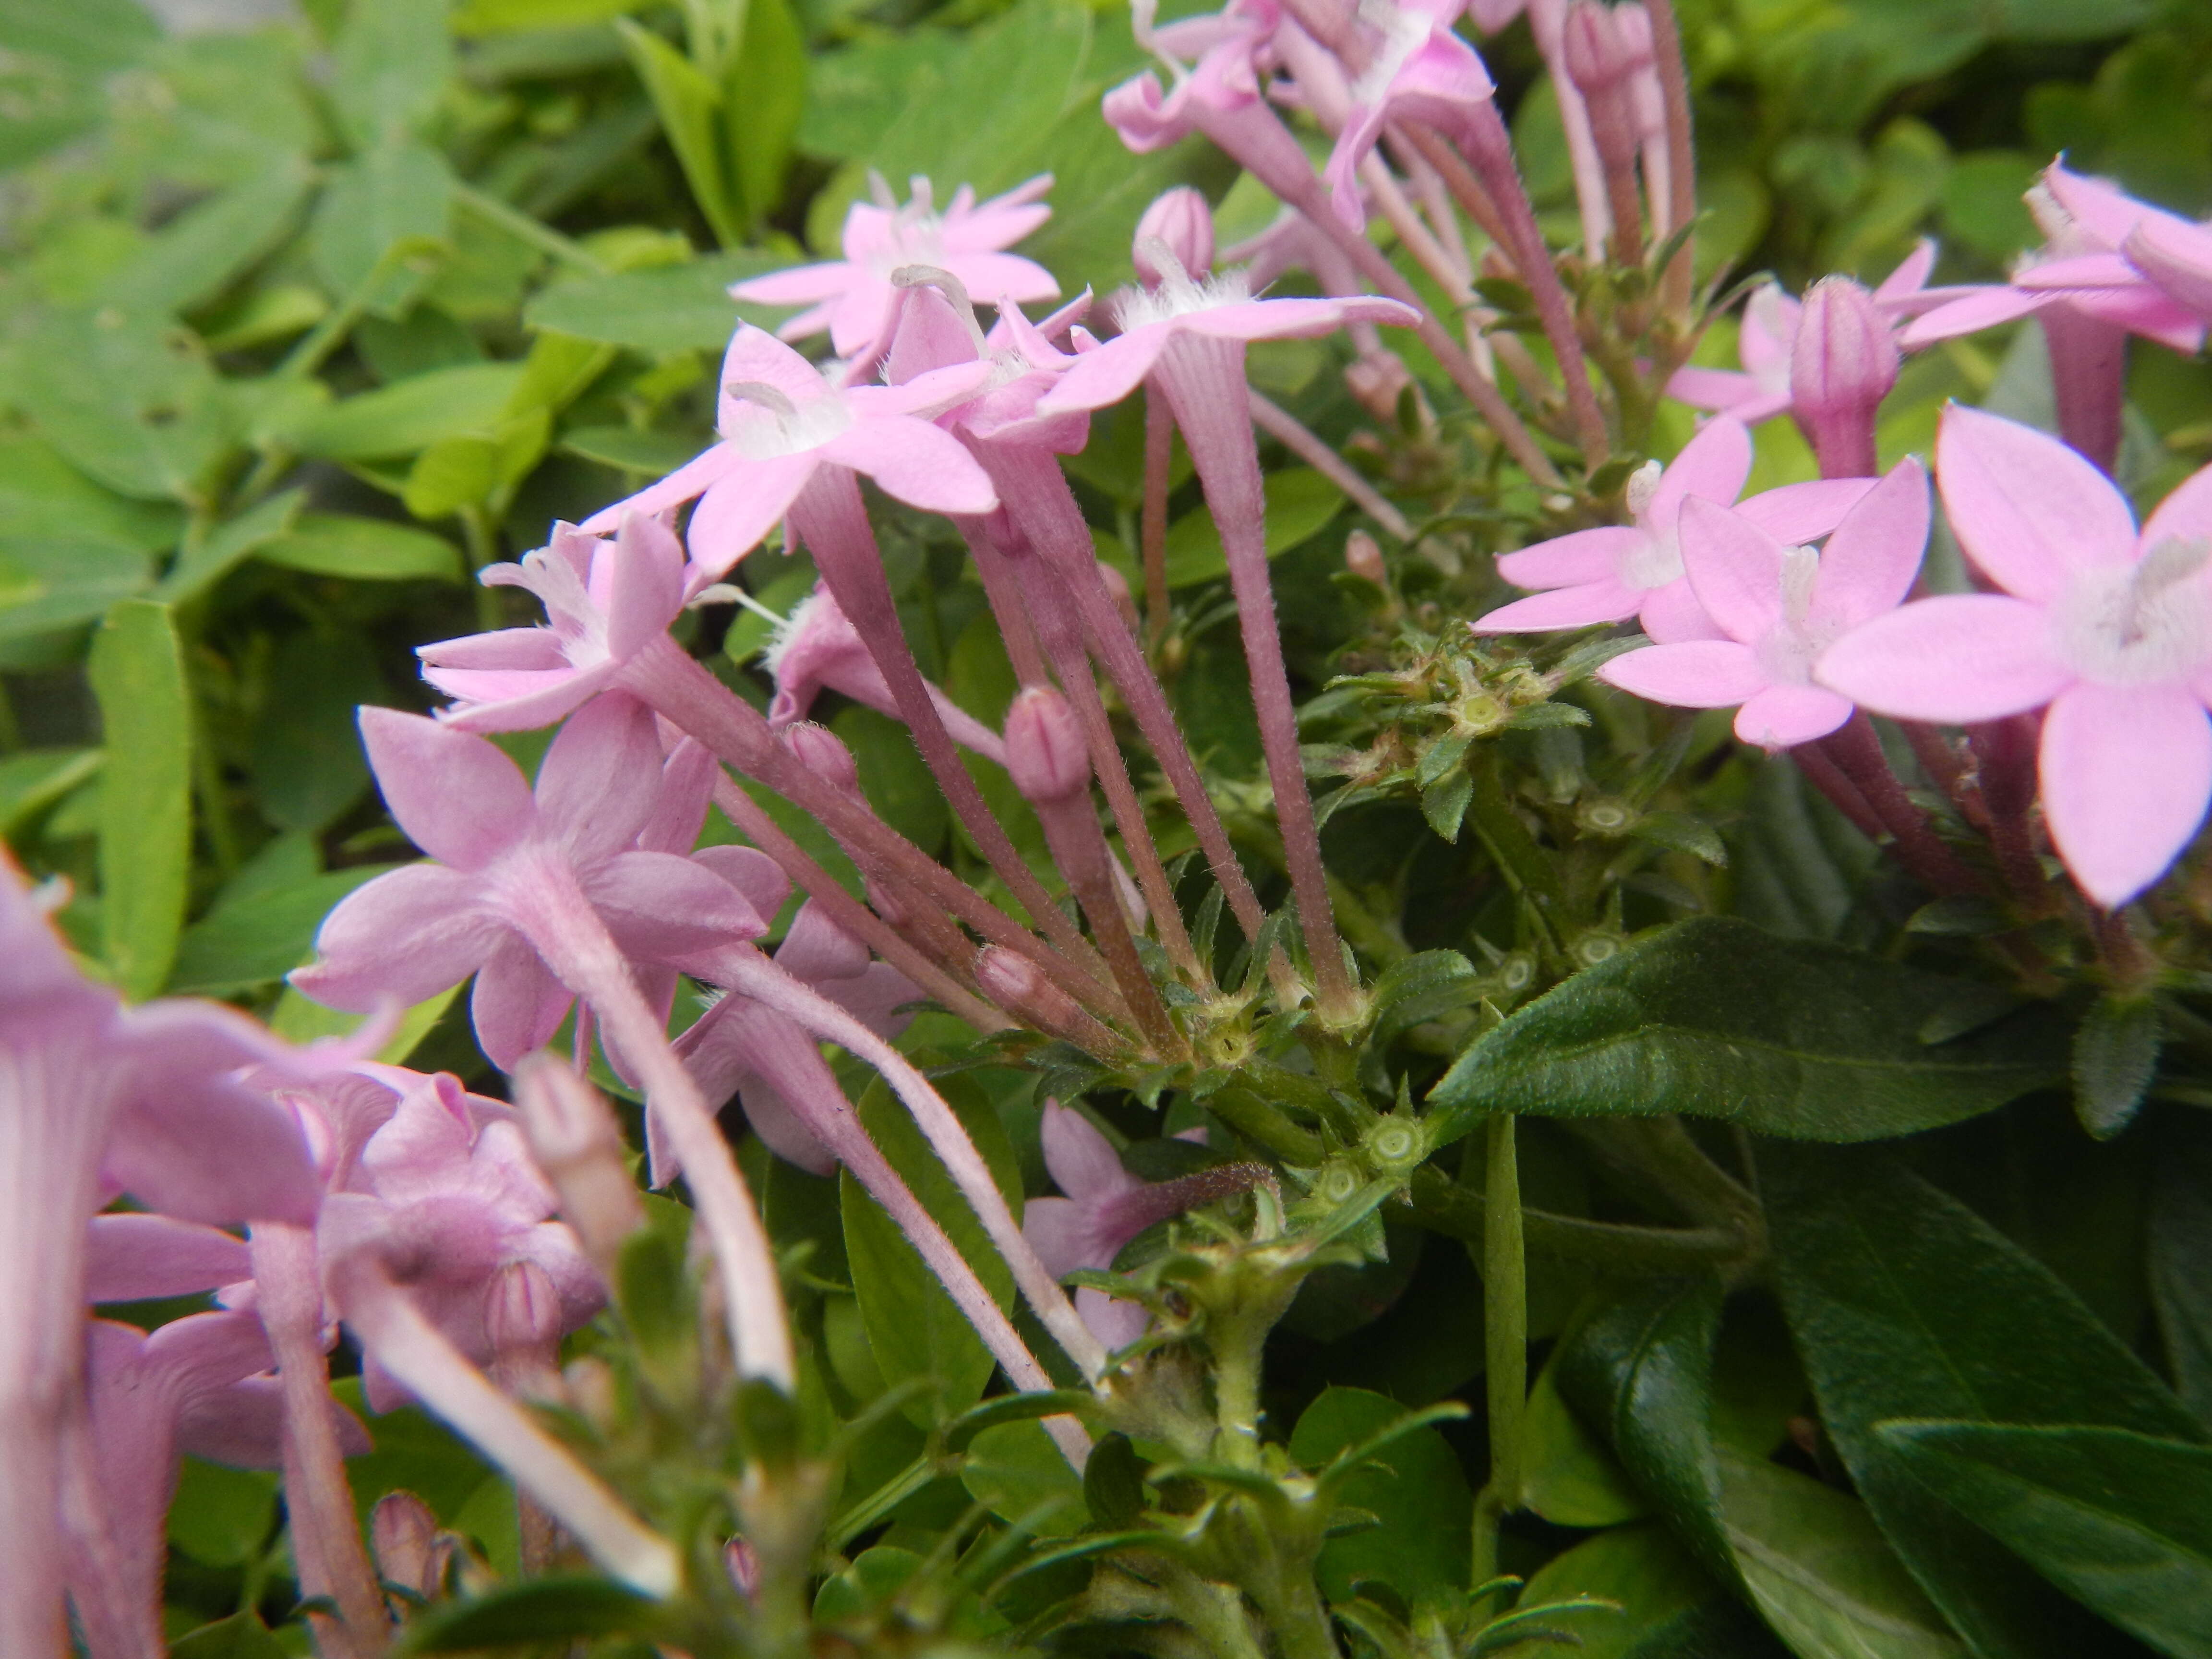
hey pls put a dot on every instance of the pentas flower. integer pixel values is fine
(1779, 607)
(2106, 627)
(604, 602)
(418, 930)
(816, 649)
(2086, 222)
(854, 299)
(2178, 257)
(446, 1193)
(1416, 67)
(1618, 571)
(1210, 60)
(781, 420)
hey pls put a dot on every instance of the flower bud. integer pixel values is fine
(521, 1308)
(1599, 53)
(1045, 752)
(1363, 557)
(1842, 365)
(1181, 220)
(403, 1534)
(821, 752)
(577, 1144)
(1117, 589)
(1012, 980)
(742, 1562)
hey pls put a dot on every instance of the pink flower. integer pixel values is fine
(1222, 77)
(497, 850)
(2177, 256)
(2110, 628)
(1180, 218)
(1618, 571)
(1417, 67)
(781, 420)
(2087, 222)
(816, 649)
(854, 298)
(604, 602)
(1779, 607)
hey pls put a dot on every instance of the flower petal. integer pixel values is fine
(1110, 373)
(1795, 514)
(1698, 674)
(703, 471)
(751, 872)
(1563, 607)
(923, 465)
(2179, 259)
(457, 798)
(215, 1151)
(1784, 716)
(647, 589)
(1712, 465)
(1083, 1163)
(734, 514)
(664, 908)
(134, 1257)
(2126, 774)
(599, 781)
(1957, 657)
(2028, 509)
(517, 1005)
(1868, 564)
(2185, 514)
(1735, 568)
(1568, 560)
(409, 934)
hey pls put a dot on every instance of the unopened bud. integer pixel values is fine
(521, 1308)
(742, 1562)
(1378, 381)
(1599, 54)
(1014, 982)
(1363, 557)
(1045, 753)
(403, 1534)
(577, 1144)
(1842, 364)
(1117, 589)
(1181, 222)
(820, 752)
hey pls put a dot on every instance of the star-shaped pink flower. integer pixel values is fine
(1417, 67)
(2109, 627)
(1779, 608)
(1618, 571)
(854, 298)
(780, 419)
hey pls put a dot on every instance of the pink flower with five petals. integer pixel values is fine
(2108, 627)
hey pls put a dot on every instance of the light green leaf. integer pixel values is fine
(473, 19)
(260, 939)
(363, 549)
(198, 253)
(49, 583)
(89, 36)
(399, 193)
(763, 99)
(691, 110)
(663, 308)
(1717, 1019)
(298, 1020)
(1639, 1568)
(33, 780)
(42, 494)
(631, 450)
(222, 1516)
(1571, 1479)
(1015, 1471)
(126, 397)
(413, 414)
(1300, 504)
(389, 69)
(138, 674)
(226, 545)
(2121, 1522)
(1414, 1484)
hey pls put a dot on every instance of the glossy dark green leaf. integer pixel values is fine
(2122, 1521)
(138, 674)
(1640, 1568)
(1570, 1476)
(914, 1329)
(2180, 1256)
(1714, 1018)
(1906, 1305)
(534, 1610)
(1716, 1628)
(1018, 1473)
(2115, 1057)
(1415, 1486)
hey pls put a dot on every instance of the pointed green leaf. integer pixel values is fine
(1017, 1472)
(2115, 1057)
(691, 110)
(1412, 1481)
(536, 1610)
(138, 674)
(389, 69)
(397, 194)
(363, 549)
(764, 96)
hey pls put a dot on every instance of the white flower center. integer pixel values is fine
(1403, 34)
(1788, 651)
(2139, 624)
(767, 424)
(1177, 295)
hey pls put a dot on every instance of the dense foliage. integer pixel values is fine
(1714, 1208)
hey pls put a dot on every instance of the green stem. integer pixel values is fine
(1658, 1155)
(1237, 1343)
(524, 228)
(1505, 1341)
(483, 549)
(1260, 1121)
(1443, 1206)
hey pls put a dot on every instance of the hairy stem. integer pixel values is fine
(1505, 1339)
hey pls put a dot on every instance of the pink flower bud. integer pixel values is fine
(1363, 557)
(1117, 589)
(1045, 753)
(577, 1144)
(521, 1308)
(1011, 981)
(1184, 223)
(1842, 364)
(403, 1534)
(742, 1562)
(1599, 55)
(821, 753)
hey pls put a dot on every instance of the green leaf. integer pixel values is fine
(33, 780)
(306, 760)
(534, 1610)
(691, 110)
(219, 1516)
(413, 1452)
(629, 449)
(197, 254)
(126, 397)
(411, 414)
(298, 1020)
(89, 36)
(1015, 1471)
(227, 544)
(395, 195)
(475, 18)
(1300, 504)
(261, 939)
(764, 96)
(42, 495)
(2115, 1057)
(138, 674)
(1414, 1484)
(241, 1636)
(2180, 1259)
(48, 583)
(663, 308)
(913, 1329)
(363, 549)
(1421, 987)
(1905, 1303)
(1571, 1479)
(1717, 1019)
(1639, 1567)
(389, 69)
(2121, 1522)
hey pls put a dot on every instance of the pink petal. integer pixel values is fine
(1735, 568)
(599, 781)
(1957, 657)
(664, 908)
(874, 996)
(734, 514)
(923, 465)
(1868, 564)
(214, 1151)
(457, 798)
(751, 872)
(859, 316)
(2028, 509)
(1784, 716)
(816, 949)
(1710, 388)
(2082, 270)
(1700, 674)
(2096, 206)
(647, 589)
(927, 395)
(703, 470)
(514, 701)
(1563, 607)
(1579, 557)
(1671, 615)
(756, 355)
(2179, 259)
(2126, 772)
(1712, 467)
(529, 650)
(2146, 311)
(1058, 1230)
(409, 935)
(1984, 308)
(679, 809)
(801, 285)
(2185, 514)
(1800, 513)
(1083, 1162)
(991, 278)
(1910, 274)
(1110, 373)
(132, 1257)
(517, 1005)
(1114, 1323)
